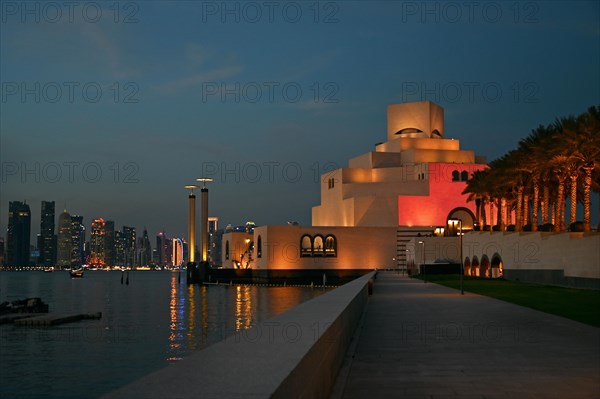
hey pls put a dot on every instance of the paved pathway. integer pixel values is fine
(422, 340)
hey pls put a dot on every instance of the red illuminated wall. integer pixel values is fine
(444, 195)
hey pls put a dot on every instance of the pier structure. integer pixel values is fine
(197, 271)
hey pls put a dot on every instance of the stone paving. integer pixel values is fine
(423, 340)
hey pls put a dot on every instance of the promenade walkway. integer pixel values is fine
(423, 340)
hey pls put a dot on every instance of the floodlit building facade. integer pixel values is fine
(414, 179)
(408, 186)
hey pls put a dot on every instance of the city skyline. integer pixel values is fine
(180, 103)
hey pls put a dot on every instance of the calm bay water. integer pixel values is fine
(145, 325)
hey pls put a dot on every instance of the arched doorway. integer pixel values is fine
(467, 266)
(464, 214)
(497, 269)
(484, 268)
(475, 266)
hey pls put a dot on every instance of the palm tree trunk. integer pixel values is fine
(502, 213)
(478, 210)
(587, 211)
(560, 204)
(573, 210)
(525, 209)
(545, 203)
(491, 212)
(483, 216)
(519, 221)
(536, 203)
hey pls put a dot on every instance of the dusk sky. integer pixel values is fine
(114, 107)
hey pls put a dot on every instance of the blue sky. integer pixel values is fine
(112, 113)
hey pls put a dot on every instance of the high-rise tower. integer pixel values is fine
(19, 230)
(77, 241)
(109, 243)
(65, 240)
(97, 251)
(47, 244)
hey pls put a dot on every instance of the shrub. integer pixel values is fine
(547, 227)
(576, 226)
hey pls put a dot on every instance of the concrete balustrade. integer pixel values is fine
(294, 355)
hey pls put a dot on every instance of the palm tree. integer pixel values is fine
(584, 144)
(535, 160)
(478, 190)
(553, 156)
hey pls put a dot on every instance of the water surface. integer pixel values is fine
(146, 324)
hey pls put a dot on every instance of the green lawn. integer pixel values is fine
(575, 304)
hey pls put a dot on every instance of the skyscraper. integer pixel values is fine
(109, 243)
(129, 245)
(161, 249)
(19, 230)
(65, 240)
(2, 254)
(177, 252)
(78, 241)
(97, 251)
(119, 248)
(47, 242)
(144, 257)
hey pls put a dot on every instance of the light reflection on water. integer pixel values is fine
(145, 325)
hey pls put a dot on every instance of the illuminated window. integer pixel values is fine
(464, 176)
(318, 246)
(306, 245)
(330, 246)
(409, 130)
(455, 176)
(259, 247)
(227, 249)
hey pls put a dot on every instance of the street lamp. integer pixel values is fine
(460, 233)
(423, 261)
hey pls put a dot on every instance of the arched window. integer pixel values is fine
(330, 246)
(408, 131)
(455, 175)
(227, 249)
(259, 247)
(464, 175)
(318, 246)
(306, 245)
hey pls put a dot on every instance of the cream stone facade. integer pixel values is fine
(568, 259)
(300, 247)
(236, 250)
(416, 178)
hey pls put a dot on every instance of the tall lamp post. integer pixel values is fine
(191, 266)
(460, 233)
(204, 219)
(423, 261)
